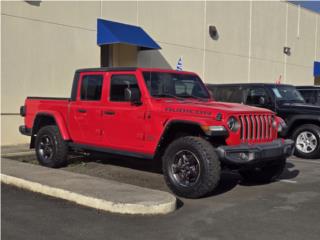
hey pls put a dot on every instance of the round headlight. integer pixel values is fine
(233, 124)
(282, 125)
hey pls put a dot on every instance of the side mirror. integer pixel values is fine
(133, 95)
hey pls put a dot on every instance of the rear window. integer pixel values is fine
(309, 96)
(91, 87)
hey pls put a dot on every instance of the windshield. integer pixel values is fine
(287, 93)
(175, 85)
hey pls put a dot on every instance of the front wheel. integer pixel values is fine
(264, 174)
(191, 167)
(307, 141)
(51, 149)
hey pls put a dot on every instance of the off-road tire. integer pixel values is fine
(315, 130)
(265, 174)
(59, 155)
(209, 165)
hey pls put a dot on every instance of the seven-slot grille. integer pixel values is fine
(255, 127)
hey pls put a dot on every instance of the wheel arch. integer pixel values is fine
(48, 118)
(301, 120)
(173, 130)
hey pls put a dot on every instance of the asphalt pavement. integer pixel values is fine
(286, 209)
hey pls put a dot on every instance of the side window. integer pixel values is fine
(229, 94)
(91, 87)
(256, 96)
(309, 96)
(237, 95)
(119, 83)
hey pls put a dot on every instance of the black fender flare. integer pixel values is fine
(295, 119)
(168, 126)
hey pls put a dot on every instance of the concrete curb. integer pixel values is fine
(134, 207)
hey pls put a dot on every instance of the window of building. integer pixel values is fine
(91, 87)
(119, 83)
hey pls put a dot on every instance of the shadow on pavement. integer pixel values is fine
(289, 172)
(228, 181)
(127, 162)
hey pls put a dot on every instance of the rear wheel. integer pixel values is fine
(307, 141)
(264, 174)
(51, 149)
(191, 167)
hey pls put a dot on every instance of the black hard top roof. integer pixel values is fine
(107, 69)
(248, 84)
(309, 87)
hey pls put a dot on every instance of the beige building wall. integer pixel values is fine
(252, 36)
(226, 59)
(178, 27)
(302, 38)
(42, 44)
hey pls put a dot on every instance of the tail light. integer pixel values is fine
(23, 111)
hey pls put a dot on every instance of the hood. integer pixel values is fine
(209, 108)
(300, 108)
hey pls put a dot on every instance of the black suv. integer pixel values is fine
(311, 94)
(302, 119)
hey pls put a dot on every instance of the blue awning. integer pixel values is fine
(316, 69)
(110, 32)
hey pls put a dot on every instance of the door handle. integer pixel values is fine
(109, 112)
(82, 110)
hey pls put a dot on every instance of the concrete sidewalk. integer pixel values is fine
(89, 191)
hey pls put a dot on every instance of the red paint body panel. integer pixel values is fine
(56, 108)
(139, 128)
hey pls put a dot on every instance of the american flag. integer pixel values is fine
(179, 64)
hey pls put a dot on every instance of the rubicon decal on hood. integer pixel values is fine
(185, 110)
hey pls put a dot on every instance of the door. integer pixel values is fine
(85, 112)
(123, 122)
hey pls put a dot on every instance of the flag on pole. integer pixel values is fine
(179, 64)
(278, 81)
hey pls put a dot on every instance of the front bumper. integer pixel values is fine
(248, 155)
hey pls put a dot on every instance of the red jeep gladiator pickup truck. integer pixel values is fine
(158, 114)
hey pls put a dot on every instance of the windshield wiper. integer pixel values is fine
(168, 95)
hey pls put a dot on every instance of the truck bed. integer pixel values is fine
(43, 105)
